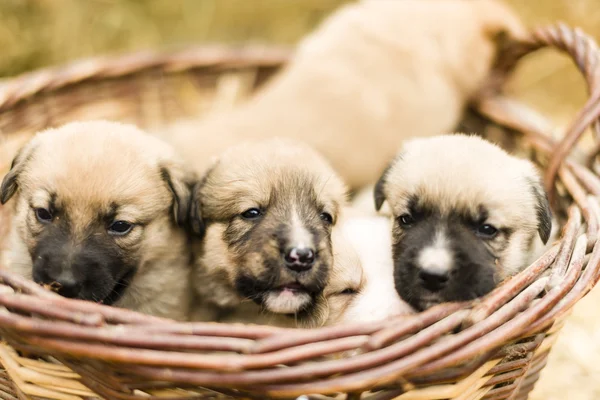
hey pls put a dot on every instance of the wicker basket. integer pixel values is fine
(495, 348)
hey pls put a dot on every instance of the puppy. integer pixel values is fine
(361, 287)
(372, 70)
(466, 216)
(265, 210)
(97, 210)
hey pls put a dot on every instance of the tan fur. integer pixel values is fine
(90, 166)
(373, 74)
(460, 172)
(292, 184)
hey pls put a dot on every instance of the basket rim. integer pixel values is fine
(14, 89)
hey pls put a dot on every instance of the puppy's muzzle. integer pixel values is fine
(299, 259)
(433, 280)
(64, 281)
(51, 269)
(297, 276)
(86, 272)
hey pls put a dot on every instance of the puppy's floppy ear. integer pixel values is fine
(379, 192)
(10, 183)
(196, 221)
(544, 214)
(179, 181)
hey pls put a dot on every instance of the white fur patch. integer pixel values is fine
(286, 302)
(300, 236)
(378, 298)
(437, 258)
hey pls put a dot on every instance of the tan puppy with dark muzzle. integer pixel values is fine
(266, 210)
(96, 212)
(466, 216)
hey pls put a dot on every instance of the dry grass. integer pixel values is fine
(35, 33)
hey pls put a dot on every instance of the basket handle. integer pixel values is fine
(584, 52)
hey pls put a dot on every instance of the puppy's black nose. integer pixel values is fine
(433, 280)
(299, 258)
(68, 287)
(66, 284)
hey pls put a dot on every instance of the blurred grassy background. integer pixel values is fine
(34, 33)
(37, 33)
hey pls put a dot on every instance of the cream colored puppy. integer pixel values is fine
(373, 297)
(466, 216)
(373, 74)
(97, 210)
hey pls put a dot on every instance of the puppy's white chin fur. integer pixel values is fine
(286, 301)
(374, 306)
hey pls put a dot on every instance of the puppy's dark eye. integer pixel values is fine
(43, 215)
(327, 217)
(348, 291)
(120, 228)
(487, 231)
(406, 220)
(252, 213)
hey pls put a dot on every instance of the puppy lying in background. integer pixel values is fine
(466, 216)
(265, 210)
(372, 70)
(97, 210)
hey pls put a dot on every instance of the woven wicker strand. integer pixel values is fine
(492, 348)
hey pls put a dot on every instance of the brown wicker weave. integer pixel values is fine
(56, 348)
